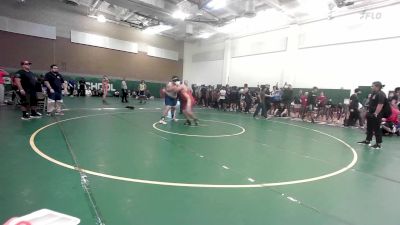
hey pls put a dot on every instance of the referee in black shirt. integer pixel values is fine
(26, 83)
(374, 115)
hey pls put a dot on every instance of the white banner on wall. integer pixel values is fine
(103, 42)
(27, 28)
(162, 53)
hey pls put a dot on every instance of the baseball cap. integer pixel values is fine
(25, 62)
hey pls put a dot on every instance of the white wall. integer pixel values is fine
(265, 68)
(259, 58)
(344, 52)
(206, 72)
(203, 63)
(350, 65)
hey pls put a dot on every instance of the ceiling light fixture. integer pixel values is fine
(101, 18)
(180, 15)
(205, 35)
(216, 4)
(157, 29)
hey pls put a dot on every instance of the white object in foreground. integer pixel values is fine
(45, 217)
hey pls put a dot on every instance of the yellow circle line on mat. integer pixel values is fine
(204, 136)
(39, 152)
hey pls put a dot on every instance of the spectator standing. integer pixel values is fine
(104, 87)
(82, 87)
(124, 90)
(142, 91)
(287, 98)
(203, 96)
(222, 98)
(374, 115)
(2, 74)
(71, 87)
(26, 83)
(354, 109)
(261, 103)
(54, 82)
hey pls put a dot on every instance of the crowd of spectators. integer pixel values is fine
(308, 104)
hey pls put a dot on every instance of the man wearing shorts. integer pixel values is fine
(142, 91)
(171, 94)
(55, 84)
(222, 99)
(26, 82)
(124, 90)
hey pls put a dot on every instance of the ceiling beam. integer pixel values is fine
(137, 5)
(276, 5)
(94, 7)
(128, 15)
(204, 3)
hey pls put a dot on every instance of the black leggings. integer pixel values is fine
(124, 95)
(81, 91)
(260, 106)
(203, 100)
(71, 91)
(248, 105)
(354, 116)
(374, 127)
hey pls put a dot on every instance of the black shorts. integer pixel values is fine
(141, 93)
(29, 99)
(56, 96)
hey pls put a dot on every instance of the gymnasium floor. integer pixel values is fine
(231, 170)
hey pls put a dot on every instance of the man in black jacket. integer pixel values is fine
(354, 109)
(82, 88)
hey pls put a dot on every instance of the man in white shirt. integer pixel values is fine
(222, 98)
(124, 90)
